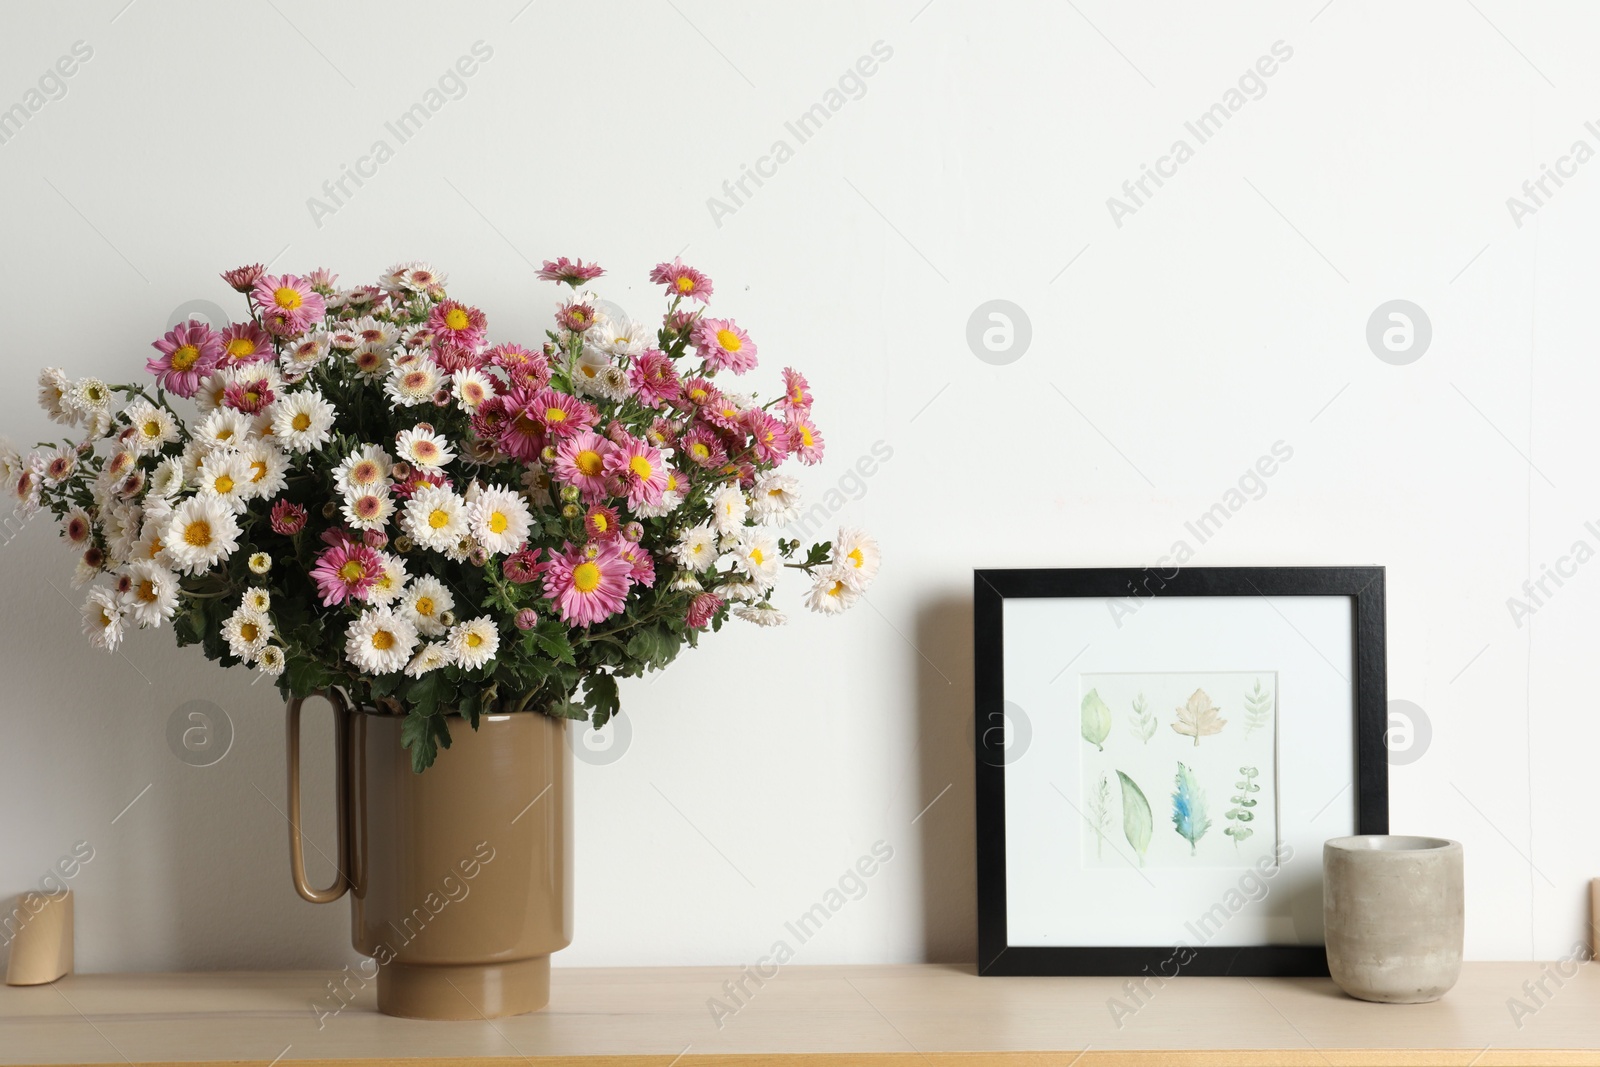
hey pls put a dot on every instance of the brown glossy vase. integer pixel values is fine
(461, 876)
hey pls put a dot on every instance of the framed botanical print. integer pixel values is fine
(1160, 755)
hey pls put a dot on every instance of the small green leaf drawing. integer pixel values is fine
(1096, 720)
(1257, 709)
(1241, 812)
(1199, 717)
(1100, 814)
(1136, 819)
(1142, 721)
(1189, 816)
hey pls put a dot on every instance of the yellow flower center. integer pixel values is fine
(588, 462)
(197, 534)
(672, 481)
(855, 558)
(249, 632)
(586, 577)
(836, 589)
(258, 470)
(301, 422)
(287, 297)
(729, 341)
(699, 450)
(383, 640)
(184, 357)
(156, 547)
(223, 484)
(424, 606)
(578, 316)
(685, 284)
(456, 319)
(474, 639)
(352, 571)
(599, 521)
(438, 518)
(805, 435)
(641, 466)
(756, 557)
(554, 415)
(588, 370)
(146, 591)
(498, 523)
(152, 428)
(240, 347)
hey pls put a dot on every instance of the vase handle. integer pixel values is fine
(297, 859)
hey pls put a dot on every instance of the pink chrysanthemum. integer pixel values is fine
(589, 583)
(682, 280)
(575, 317)
(796, 392)
(581, 461)
(453, 322)
(769, 438)
(346, 571)
(601, 523)
(245, 342)
(663, 433)
(243, 279)
(288, 304)
(519, 433)
(562, 415)
(250, 396)
(724, 415)
(415, 479)
(643, 564)
(450, 357)
(702, 609)
(288, 519)
(323, 281)
(189, 353)
(524, 368)
(724, 345)
(522, 566)
(639, 472)
(654, 378)
(699, 393)
(571, 272)
(365, 298)
(805, 439)
(703, 448)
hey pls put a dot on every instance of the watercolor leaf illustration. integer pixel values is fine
(1241, 813)
(1189, 816)
(1096, 720)
(1137, 821)
(1100, 814)
(1199, 717)
(1143, 722)
(1257, 709)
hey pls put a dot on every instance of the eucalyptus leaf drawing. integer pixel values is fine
(1137, 822)
(1257, 709)
(1199, 717)
(1096, 720)
(1189, 816)
(1241, 814)
(1142, 720)
(1100, 814)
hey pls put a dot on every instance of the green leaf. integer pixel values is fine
(424, 735)
(1096, 719)
(600, 694)
(1137, 821)
(555, 644)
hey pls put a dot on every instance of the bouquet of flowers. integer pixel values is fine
(359, 491)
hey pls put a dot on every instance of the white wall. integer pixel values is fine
(1228, 313)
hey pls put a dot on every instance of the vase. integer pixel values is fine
(1393, 915)
(460, 877)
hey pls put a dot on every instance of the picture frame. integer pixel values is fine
(1292, 658)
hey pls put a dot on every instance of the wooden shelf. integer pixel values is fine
(874, 1016)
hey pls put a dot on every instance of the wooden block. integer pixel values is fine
(41, 952)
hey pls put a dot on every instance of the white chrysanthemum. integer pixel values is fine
(56, 465)
(226, 477)
(88, 396)
(260, 563)
(201, 532)
(672, 497)
(97, 423)
(213, 390)
(224, 430)
(590, 378)
(121, 526)
(150, 546)
(430, 657)
(154, 427)
(697, 549)
(421, 447)
(257, 599)
(302, 421)
(436, 518)
(499, 520)
(193, 452)
(391, 582)
(414, 384)
(380, 641)
(53, 386)
(152, 593)
(102, 619)
(366, 468)
(474, 642)
(270, 661)
(833, 592)
(728, 509)
(369, 509)
(759, 558)
(620, 336)
(370, 361)
(775, 499)
(168, 479)
(76, 527)
(857, 553)
(247, 633)
(425, 602)
(685, 582)
(536, 483)
(762, 614)
(300, 357)
(471, 387)
(374, 331)
(739, 590)
(268, 469)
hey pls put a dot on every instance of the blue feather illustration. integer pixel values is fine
(1189, 808)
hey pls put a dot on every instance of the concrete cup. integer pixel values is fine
(1393, 914)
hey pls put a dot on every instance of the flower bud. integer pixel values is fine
(527, 619)
(570, 511)
(570, 494)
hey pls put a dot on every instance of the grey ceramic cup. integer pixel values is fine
(1393, 913)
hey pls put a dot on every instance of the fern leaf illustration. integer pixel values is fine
(1199, 717)
(1096, 720)
(1241, 813)
(1189, 816)
(1142, 721)
(1137, 822)
(1257, 709)
(1100, 814)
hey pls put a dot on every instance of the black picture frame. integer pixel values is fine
(991, 588)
